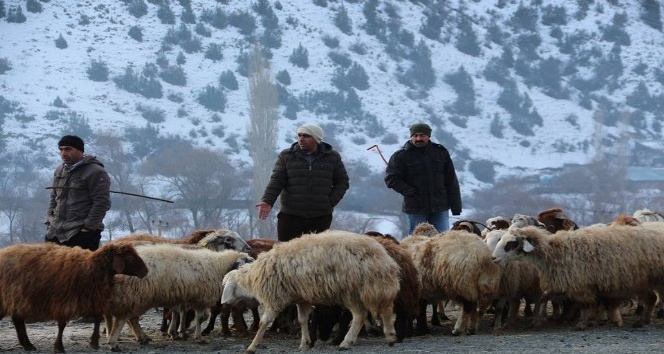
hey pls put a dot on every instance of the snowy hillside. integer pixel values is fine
(573, 119)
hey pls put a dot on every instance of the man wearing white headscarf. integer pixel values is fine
(311, 180)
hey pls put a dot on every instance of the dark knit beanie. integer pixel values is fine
(73, 141)
(420, 128)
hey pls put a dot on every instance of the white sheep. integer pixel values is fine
(456, 266)
(517, 280)
(177, 276)
(593, 265)
(330, 268)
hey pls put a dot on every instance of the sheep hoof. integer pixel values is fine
(391, 343)
(116, 349)
(580, 326)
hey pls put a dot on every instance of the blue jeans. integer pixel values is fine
(439, 220)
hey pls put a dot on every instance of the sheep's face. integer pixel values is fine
(511, 246)
(224, 239)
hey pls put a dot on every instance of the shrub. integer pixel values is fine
(330, 42)
(213, 98)
(201, 30)
(84, 20)
(214, 52)
(152, 115)
(136, 33)
(5, 65)
(283, 77)
(228, 80)
(138, 8)
(343, 22)
(483, 170)
(165, 14)
(58, 103)
(340, 59)
(174, 75)
(98, 71)
(243, 21)
(33, 6)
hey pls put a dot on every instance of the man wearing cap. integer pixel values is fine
(311, 179)
(80, 197)
(423, 173)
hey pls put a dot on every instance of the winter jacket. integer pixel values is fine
(308, 188)
(426, 178)
(82, 203)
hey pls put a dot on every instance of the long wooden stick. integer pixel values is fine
(118, 192)
(379, 152)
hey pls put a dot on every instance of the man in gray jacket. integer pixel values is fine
(311, 179)
(80, 197)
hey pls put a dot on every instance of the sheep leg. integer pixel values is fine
(303, 312)
(138, 332)
(22, 334)
(173, 326)
(114, 333)
(359, 316)
(422, 327)
(513, 312)
(200, 315)
(268, 316)
(256, 316)
(649, 300)
(498, 316)
(94, 338)
(388, 318)
(214, 312)
(182, 313)
(58, 347)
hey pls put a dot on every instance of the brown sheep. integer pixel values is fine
(555, 220)
(43, 282)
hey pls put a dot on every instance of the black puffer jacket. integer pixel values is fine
(426, 178)
(307, 189)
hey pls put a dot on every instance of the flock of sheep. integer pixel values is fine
(343, 279)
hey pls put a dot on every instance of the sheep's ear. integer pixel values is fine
(118, 264)
(527, 246)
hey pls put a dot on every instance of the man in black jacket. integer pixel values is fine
(423, 173)
(311, 179)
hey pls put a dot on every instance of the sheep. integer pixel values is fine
(521, 220)
(517, 280)
(468, 225)
(554, 220)
(213, 239)
(495, 223)
(592, 265)
(42, 282)
(456, 266)
(178, 276)
(332, 267)
(258, 246)
(405, 307)
(648, 215)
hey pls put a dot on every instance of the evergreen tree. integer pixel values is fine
(213, 98)
(34, 6)
(421, 72)
(464, 87)
(357, 77)
(15, 15)
(138, 8)
(60, 42)
(283, 77)
(342, 21)
(188, 15)
(651, 14)
(467, 39)
(3, 10)
(181, 59)
(174, 75)
(300, 57)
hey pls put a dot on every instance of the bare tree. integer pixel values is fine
(200, 180)
(264, 101)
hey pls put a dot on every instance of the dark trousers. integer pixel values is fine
(88, 240)
(291, 226)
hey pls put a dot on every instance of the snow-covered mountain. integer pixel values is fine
(518, 85)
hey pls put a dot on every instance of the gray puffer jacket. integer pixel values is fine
(80, 198)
